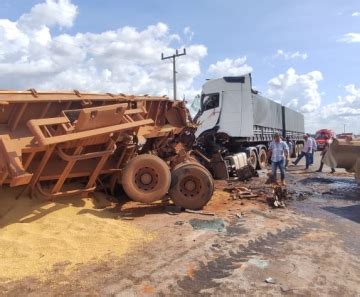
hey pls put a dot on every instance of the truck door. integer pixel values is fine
(209, 112)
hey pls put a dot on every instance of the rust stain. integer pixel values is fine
(148, 289)
(191, 268)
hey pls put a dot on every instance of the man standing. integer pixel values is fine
(314, 148)
(279, 152)
(305, 152)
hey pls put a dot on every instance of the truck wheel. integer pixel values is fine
(252, 160)
(191, 186)
(146, 178)
(262, 159)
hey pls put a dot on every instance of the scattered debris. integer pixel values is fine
(200, 212)
(179, 223)
(270, 280)
(279, 196)
(215, 225)
(239, 215)
(124, 218)
(172, 210)
(239, 192)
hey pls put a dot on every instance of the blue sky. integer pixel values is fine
(234, 29)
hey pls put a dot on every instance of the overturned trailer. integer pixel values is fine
(101, 140)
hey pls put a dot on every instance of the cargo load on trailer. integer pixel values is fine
(235, 123)
(344, 153)
(142, 143)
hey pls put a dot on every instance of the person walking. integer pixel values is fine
(279, 153)
(326, 148)
(290, 145)
(305, 152)
(314, 148)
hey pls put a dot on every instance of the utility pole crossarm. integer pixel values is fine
(173, 57)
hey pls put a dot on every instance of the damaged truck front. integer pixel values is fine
(236, 125)
(102, 141)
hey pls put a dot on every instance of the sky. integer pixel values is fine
(304, 54)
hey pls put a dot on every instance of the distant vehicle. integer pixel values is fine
(322, 136)
(236, 121)
(345, 136)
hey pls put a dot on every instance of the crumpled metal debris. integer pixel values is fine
(238, 192)
(279, 196)
(270, 280)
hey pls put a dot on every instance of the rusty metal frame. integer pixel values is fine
(36, 134)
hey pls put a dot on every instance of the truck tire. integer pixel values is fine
(146, 178)
(262, 159)
(191, 185)
(252, 159)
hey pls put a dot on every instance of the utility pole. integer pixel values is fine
(173, 57)
(344, 127)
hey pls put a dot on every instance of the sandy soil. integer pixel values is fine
(94, 248)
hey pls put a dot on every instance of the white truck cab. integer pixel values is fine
(226, 103)
(234, 119)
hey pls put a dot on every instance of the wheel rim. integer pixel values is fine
(146, 178)
(190, 186)
(253, 159)
(262, 159)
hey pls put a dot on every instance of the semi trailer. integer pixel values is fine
(235, 122)
(48, 140)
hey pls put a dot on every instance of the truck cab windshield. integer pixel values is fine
(321, 136)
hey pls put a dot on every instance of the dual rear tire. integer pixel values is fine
(191, 185)
(257, 160)
(147, 178)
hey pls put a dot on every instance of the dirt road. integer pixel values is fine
(238, 247)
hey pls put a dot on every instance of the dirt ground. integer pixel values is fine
(92, 247)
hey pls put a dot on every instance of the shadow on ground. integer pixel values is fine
(351, 212)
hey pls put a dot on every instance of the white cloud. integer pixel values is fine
(124, 60)
(50, 13)
(230, 67)
(345, 106)
(350, 38)
(355, 14)
(297, 91)
(344, 111)
(290, 55)
(189, 34)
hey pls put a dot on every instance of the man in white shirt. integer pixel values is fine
(314, 148)
(279, 153)
(305, 152)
